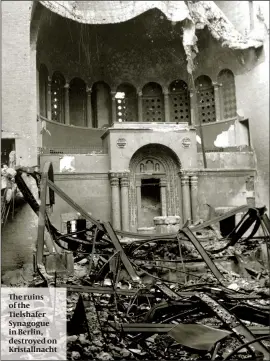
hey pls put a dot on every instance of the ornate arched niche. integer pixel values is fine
(158, 164)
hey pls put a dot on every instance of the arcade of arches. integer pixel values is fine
(121, 94)
(96, 105)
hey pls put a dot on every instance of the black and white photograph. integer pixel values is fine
(135, 180)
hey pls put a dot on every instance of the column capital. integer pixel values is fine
(124, 174)
(124, 182)
(138, 183)
(113, 93)
(216, 85)
(139, 93)
(49, 80)
(166, 92)
(114, 181)
(184, 180)
(88, 90)
(113, 174)
(194, 181)
(66, 86)
(188, 173)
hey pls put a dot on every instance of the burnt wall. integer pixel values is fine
(223, 189)
(91, 192)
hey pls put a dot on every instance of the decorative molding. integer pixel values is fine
(163, 182)
(187, 173)
(185, 180)
(119, 174)
(193, 179)
(186, 142)
(171, 165)
(124, 182)
(227, 172)
(124, 174)
(82, 176)
(114, 182)
(113, 174)
(121, 143)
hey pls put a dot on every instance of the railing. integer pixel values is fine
(72, 150)
(238, 149)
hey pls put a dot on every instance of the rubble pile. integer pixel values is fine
(191, 295)
(135, 321)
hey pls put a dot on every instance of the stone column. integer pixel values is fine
(124, 182)
(140, 107)
(163, 197)
(194, 197)
(116, 219)
(114, 115)
(49, 98)
(89, 107)
(166, 106)
(186, 197)
(193, 105)
(66, 87)
(217, 101)
(139, 202)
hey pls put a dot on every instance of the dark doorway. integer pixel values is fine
(151, 205)
(227, 225)
(7, 145)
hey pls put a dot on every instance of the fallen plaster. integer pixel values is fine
(226, 138)
(67, 164)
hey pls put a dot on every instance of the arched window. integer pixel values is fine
(227, 94)
(126, 103)
(179, 102)
(58, 110)
(43, 90)
(101, 104)
(153, 103)
(205, 99)
(77, 102)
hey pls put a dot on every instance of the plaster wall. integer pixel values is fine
(83, 163)
(19, 81)
(252, 87)
(92, 193)
(253, 100)
(60, 135)
(137, 138)
(222, 189)
(228, 160)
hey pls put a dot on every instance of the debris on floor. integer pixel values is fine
(192, 295)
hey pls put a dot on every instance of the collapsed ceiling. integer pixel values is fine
(194, 15)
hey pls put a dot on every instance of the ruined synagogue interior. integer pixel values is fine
(139, 131)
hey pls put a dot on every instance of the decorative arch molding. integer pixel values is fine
(154, 161)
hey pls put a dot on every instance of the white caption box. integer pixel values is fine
(33, 323)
